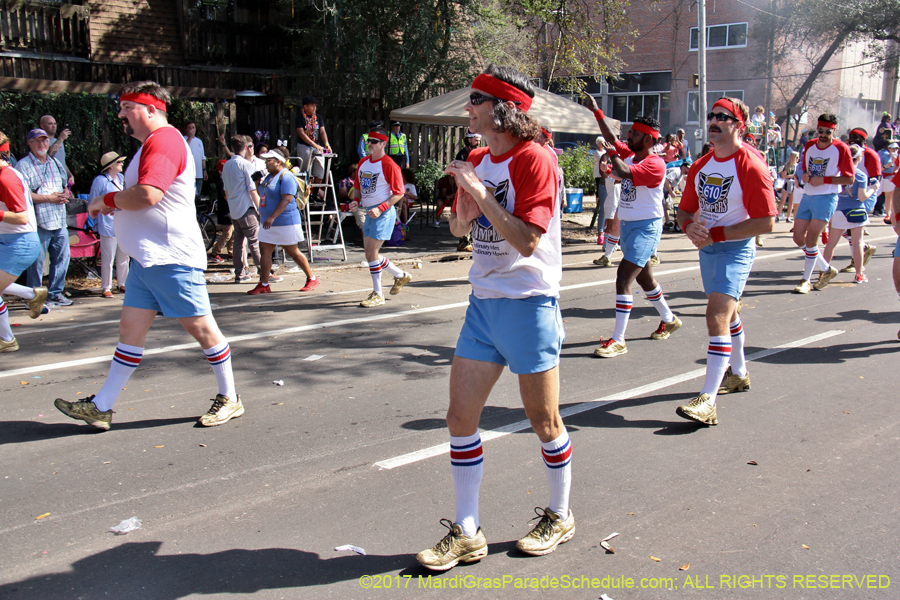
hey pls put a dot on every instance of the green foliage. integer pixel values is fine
(578, 169)
(426, 177)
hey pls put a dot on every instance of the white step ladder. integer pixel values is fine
(318, 216)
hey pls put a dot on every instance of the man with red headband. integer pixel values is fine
(825, 165)
(378, 186)
(156, 226)
(728, 200)
(507, 199)
(640, 215)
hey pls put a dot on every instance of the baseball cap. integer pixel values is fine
(395, 124)
(473, 135)
(309, 100)
(893, 145)
(36, 133)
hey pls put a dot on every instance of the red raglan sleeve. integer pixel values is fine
(623, 150)
(649, 172)
(163, 157)
(392, 175)
(533, 176)
(756, 184)
(873, 163)
(845, 162)
(12, 193)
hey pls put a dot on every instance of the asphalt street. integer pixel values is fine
(793, 495)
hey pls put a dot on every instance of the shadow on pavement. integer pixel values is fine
(136, 571)
(18, 432)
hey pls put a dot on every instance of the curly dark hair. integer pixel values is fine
(512, 120)
(650, 122)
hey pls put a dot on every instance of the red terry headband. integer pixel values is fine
(858, 132)
(143, 98)
(729, 105)
(4, 147)
(502, 90)
(546, 133)
(378, 136)
(646, 129)
(826, 125)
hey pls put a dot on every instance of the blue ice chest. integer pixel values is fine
(574, 198)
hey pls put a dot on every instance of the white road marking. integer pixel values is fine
(444, 448)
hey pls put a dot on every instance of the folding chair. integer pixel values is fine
(86, 251)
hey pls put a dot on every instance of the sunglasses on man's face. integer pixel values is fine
(720, 117)
(374, 141)
(475, 98)
(823, 131)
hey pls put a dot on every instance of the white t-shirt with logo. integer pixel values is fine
(833, 161)
(641, 196)
(524, 182)
(167, 232)
(378, 180)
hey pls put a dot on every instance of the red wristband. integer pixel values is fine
(2, 213)
(827, 180)
(110, 200)
(685, 226)
(598, 114)
(612, 152)
(717, 234)
(383, 206)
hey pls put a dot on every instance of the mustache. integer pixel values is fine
(715, 128)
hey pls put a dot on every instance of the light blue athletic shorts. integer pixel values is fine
(725, 266)
(819, 207)
(174, 290)
(640, 239)
(897, 248)
(381, 228)
(18, 251)
(526, 334)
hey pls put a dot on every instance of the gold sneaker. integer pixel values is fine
(610, 348)
(603, 261)
(10, 346)
(849, 268)
(222, 411)
(36, 304)
(825, 278)
(733, 383)
(87, 411)
(700, 409)
(454, 548)
(803, 288)
(759, 242)
(666, 329)
(654, 261)
(868, 253)
(372, 301)
(399, 282)
(551, 531)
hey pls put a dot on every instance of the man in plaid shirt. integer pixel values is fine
(46, 178)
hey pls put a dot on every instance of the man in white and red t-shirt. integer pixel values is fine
(825, 165)
(728, 200)
(156, 226)
(507, 199)
(640, 221)
(378, 185)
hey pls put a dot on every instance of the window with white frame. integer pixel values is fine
(693, 102)
(640, 94)
(731, 35)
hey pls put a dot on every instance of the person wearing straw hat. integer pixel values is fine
(109, 180)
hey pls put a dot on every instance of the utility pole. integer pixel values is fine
(701, 69)
(770, 58)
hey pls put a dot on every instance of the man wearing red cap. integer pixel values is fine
(825, 165)
(728, 200)
(507, 199)
(156, 226)
(640, 215)
(378, 186)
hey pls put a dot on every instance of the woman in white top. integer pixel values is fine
(109, 180)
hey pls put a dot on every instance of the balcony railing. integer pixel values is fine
(237, 44)
(44, 27)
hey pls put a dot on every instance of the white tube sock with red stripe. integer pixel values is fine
(717, 357)
(558, 464)
(6, 333)
(467, 460)
(375, 268)
(658, 300)
(391, 268)
(219, 357)
(623, 312)
(738, 363)
(610, 246)
(124, 362)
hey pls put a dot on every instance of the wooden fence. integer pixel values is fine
(44, 27)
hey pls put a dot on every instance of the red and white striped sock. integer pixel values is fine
(467, 461)
(124, 362)
(6, 333)
(812, 256)
(558, 465)
(738, 363)
(623, 312)
(219, 357)
(658, 300)
(610, 246)
(375, 269)
(717, 358)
